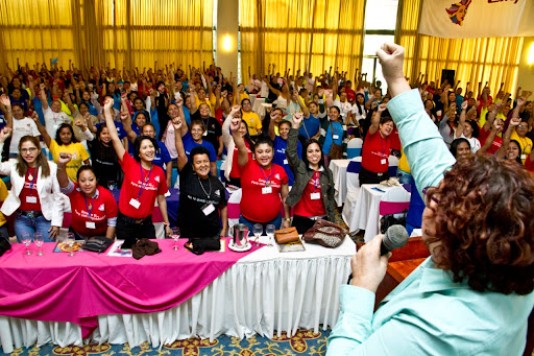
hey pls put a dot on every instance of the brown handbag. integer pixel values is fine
(287, 235)
(325, 233)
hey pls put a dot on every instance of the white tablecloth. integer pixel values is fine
(339, 172)
(367, 210)
(263, 292)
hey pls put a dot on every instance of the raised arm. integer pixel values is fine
(62, 176)
(239, 142)
(375, 120)
(177, 123)
(460, 128)
(42, 130)
(110, 124)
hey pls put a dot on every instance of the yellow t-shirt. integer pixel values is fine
(403, 162)
(253, 121)
(78, 152)
(3, 196)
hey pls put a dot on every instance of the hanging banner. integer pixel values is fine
(477, 18)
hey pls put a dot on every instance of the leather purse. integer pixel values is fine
(287, 235)
(325, 233)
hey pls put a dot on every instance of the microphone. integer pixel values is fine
(396, 236)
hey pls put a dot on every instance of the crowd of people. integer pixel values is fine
(69, 137)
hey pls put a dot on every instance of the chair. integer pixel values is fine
(394, 201)
(393, 163)
(353, 189)
(233, 209)
(354, 148)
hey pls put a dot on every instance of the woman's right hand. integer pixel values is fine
(297, 120)
(108, 103)
(5, 133)
(235, 109)
(64, 158)
(177, 123)
(234, 125)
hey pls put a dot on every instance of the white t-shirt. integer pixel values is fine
(53, 120)
(21, 128)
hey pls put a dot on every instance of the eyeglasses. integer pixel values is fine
(430, 193)
(26, 150)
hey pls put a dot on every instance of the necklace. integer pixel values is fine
(202, 186)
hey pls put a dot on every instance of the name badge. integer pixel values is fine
(205, 133)
(335, 137)
(285, 161)
(31, 199)
(315, 196)
(208, 209)
(383, 161)
(266, 190)
(90, 225)
(135, 203)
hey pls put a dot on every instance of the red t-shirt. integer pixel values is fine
(529, 165)
(90, 215)
(375, 153)
(140, 187)
(255, 205)
(395, 139)
(495, 145)
(29, 197)
(311, 205)
(236, 172)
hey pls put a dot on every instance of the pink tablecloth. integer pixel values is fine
(56, 287)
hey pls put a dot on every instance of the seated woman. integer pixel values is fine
(474, 294)
(202, 212)
(460, 148)
(143, 183)
(376, 148)
(312, 195)
(34, 193)
(264, 184)
(280, 142)
(94, 210)
(467, 130)
(232, 172)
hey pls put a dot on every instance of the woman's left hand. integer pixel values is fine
(53, 232)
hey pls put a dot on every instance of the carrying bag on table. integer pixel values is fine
(144, 247)
(4, 245)
(287, 235)
(325, 233)
(97, 244)
(199, 246)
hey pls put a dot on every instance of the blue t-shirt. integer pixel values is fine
(189, 144)
(309, 127)
(120, 129)
(280, 157)
(333, 133)
(162, 156)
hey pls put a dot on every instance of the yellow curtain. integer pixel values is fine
(301, 34)
(35, 32)
(101, 32)
(493, 60)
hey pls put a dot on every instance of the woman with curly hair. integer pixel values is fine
(474, 294)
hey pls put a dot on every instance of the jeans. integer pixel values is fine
(276, 222)
(31, 225)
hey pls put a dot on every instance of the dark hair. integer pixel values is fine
(61, 127)
(198, 123)
(285, 122)
(83, 104)
(261, 140)
(199, 150)
(245, 99)
(455, 143)
(474, 126)
(385, 118)
(247, 135)
(335, 107)
(484, 226)
(305, 149)
(137, 146)
(84, 168)
(22, 165)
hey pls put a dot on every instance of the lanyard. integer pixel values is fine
(208, 193)
(28, 175)
(88, 206)
(316, 180)
(145, 182)
(267, 178)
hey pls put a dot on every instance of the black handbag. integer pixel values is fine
(392, 219)
(199, 246)
(4, 245)
(97, 244)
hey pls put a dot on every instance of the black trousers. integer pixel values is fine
(130, 229)
(368, 177)
(302, 223)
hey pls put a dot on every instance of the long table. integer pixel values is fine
(264, 291)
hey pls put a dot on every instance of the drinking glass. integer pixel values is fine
(27, 240)
(257, 230)
(175, 237)
(270, 233)
(70, 240)
(38, 240)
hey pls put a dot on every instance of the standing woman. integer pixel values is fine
(143, 183)
(334, 134)
(312, 195)
(280, 142)
(94, 210)
(35, 193)
(264, 184)
(104, 159)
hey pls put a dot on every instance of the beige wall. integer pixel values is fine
(227, 26)
(526, 71)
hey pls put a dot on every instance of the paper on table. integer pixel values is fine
(115, 250)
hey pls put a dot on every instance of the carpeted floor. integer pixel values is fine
(305, 342)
